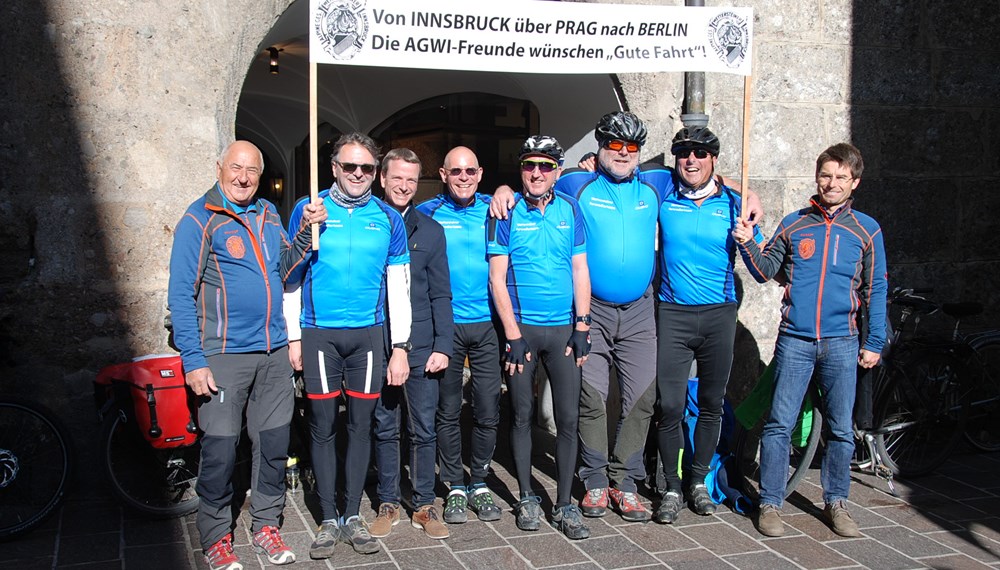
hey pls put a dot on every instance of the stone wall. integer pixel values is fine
(114, 112)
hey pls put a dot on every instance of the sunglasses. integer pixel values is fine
(543, 166)
(366, 169)
(616, 145)
(469, 170)
(686, 152)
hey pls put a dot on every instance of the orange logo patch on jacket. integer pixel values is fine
(236, 247)
(807, 248)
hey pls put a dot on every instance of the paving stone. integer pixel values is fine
(990, 528)
(954, 562)
(913, 518)
(142, 532)
(697, 559)
(45, 562)
(945, 508)
(807, 552)
(721, 538)
(159, 556)
(874, 554)
(438, 558)
(36, 544)
(474, 534)
(760, 561)
(905, 540)
(970, 543)
(658, 538)
(89, 548)
(545, 550)
(615, 552)
(90, 518)
(952, 488)
(504, 558)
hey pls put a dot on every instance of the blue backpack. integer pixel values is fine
(717, 479)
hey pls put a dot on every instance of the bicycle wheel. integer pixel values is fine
(157, 482)
(747, 453)
(36, 466)
(982, 427)
(921, 414)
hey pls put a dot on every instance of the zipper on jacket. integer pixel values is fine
(218, 313)
(836, 249)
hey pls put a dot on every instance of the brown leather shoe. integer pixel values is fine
(769, 521)
(388, 517)
(840, 520)
(426, 518)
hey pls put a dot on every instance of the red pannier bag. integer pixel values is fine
(162, 405)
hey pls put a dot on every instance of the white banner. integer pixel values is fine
(530, 36)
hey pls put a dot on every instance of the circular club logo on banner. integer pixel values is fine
(729, 37)
(342, 27)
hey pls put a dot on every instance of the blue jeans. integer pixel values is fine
(420, 396)
(835, 361)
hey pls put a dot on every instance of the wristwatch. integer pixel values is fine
(407, 346)
(585, 319)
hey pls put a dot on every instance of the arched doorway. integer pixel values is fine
(273, 108)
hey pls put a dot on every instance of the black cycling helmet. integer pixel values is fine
(620, 125)
(695, 137)
(543, 146)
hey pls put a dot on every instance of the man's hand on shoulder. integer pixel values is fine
(588, 162)
(502, 203)
(201, 381)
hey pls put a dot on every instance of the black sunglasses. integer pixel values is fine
(686, 152)
(366, 169)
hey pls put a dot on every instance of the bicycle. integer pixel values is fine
(871, 454)
(37, 463)
(151, 454)
(943, 390)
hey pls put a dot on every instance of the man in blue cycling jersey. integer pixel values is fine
(696, 313)
(463, 212)
(362, 266)
(432, 336)
(832, 261)
(229, 258)
(541, 287)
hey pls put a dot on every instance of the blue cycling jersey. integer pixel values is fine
(697, 250)
(465, 237)
(343, 284)
(620, 219)
(540, 248)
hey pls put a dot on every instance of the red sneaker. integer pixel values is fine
(221, 555)
(595, 502)
(629, 506)
(267, 541)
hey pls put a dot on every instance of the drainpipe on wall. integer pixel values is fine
(693, 112)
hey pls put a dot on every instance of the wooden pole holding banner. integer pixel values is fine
(313, 149)
(745, 174)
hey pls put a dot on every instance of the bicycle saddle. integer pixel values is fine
(918, 304)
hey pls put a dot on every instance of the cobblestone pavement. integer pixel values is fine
(950, 519)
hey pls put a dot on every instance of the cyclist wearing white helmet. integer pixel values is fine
(541, 289)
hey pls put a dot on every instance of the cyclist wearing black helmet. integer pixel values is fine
(696, 313)
(541, 289)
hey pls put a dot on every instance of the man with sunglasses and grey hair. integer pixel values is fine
(462, 211)
(360, 270)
